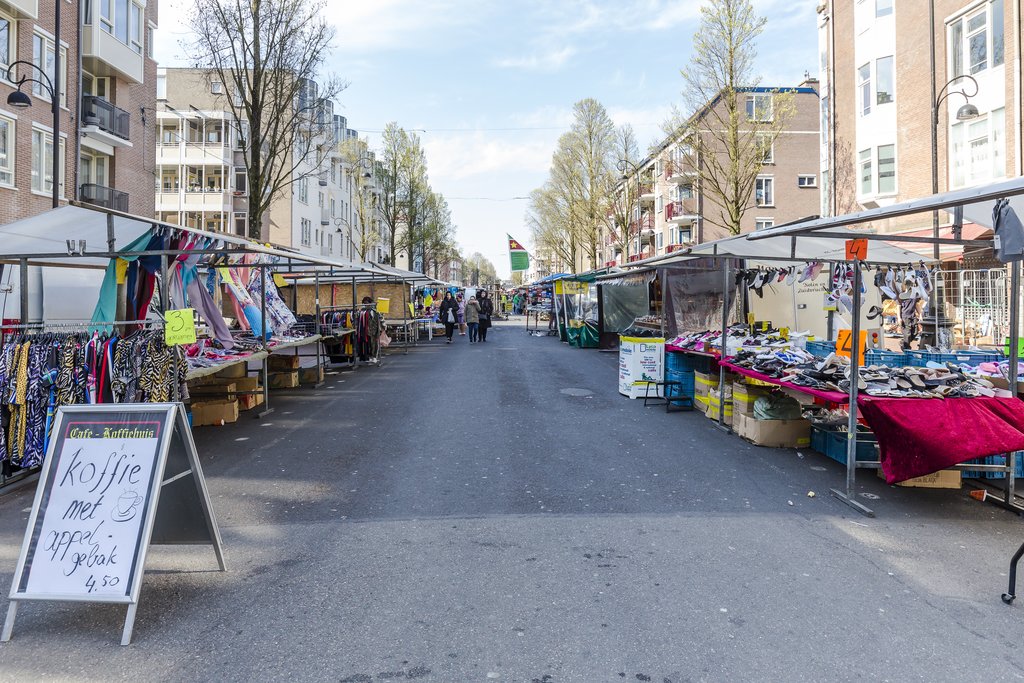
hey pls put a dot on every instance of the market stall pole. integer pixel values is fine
(725, 326)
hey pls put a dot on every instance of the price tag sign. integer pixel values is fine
(856, 250)
(844, 344)
(180, 328)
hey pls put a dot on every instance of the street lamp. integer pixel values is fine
(966, 112)
(20, 100)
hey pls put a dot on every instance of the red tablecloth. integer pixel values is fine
(918, 436)
(832, 396)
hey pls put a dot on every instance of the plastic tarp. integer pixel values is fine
(806, 248)
(693, 292)
(577, 299)
(625, 300)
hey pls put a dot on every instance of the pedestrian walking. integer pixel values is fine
(462, 314)
(517, 304)
(486, 311)
(448, 314)
(473, 319)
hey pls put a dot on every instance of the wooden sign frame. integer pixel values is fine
(176, 507)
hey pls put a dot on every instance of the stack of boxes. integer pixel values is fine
(218, 399)
(774, 433)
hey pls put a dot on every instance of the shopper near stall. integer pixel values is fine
(517, 303)
(462, 315)
(486, 311)
(448, 315)
(473, 319)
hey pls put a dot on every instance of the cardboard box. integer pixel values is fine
(943, 479)
(280, 361)
(311, 375)
(701, 403)
(744, 395)
(800, 397)
(714, 409)
(249, 401)
(284, 380)
(235, 371)
(223, 390)
(703, 382)
(214, 413)
(774, 433)
(247, 384)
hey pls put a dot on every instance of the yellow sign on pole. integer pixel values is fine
(180, 328)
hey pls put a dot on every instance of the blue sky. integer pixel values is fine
(491, 83)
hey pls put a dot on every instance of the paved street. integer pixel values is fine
(459, 515)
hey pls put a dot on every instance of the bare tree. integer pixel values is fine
(268, 53)
(624, 199)
(363, 166)
(733, 125)
(404, 189)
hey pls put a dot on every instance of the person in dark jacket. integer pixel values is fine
(448, 314)
(486, 311)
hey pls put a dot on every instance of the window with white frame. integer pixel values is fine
(6, 151)
(304, 190)
(240, 223)
(659, 240)
(864, 86)
(977, 149)
(867, 183)
(42, 162)
(885, 91)
(807, 180)
(8, 42)
(976, 40)
(123, 20)
(43, 58)
(306, 227)
(330, 243)
(764, 223)
(764, 191)
(759, 107)
(93, 168)
(241, 179)
(887, 169)
(765, 146)
(216, 87)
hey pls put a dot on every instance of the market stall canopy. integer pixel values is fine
(631, 278)
(977, 203)
(44, 238)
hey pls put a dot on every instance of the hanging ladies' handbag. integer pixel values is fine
(451, 316)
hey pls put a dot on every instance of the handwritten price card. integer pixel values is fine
(93, 507)
(180, 327)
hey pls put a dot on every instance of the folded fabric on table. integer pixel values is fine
(921, 436)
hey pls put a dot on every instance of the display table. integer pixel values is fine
(918, 436)
(825, 395)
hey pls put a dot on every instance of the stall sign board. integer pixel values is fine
(180, 327)
(116, 478)
(844, 344)
(856, 249)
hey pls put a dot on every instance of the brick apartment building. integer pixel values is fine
(674, 213)
(878, 89)
(107, 126)
(201, 173)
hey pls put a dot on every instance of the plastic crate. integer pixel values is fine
(890, 359)
(983, 356)
(821, 347)
(994, 460)
(832, 443)
(687, 362)
(922, 358)
(686, 386)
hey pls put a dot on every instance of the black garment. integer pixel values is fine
(449, 330)
(486, 311)
(448, 304)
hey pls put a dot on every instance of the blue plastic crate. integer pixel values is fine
(890, 359)
(983, 356)
(686, 383)
(922, 358)
(821, 347)
(675, 360)
(832, 443)
(995, 460)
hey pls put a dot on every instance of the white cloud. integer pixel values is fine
(550, 60)
(463, 155)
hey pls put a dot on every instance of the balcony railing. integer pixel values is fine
(99, 112)
(646, 188)
(107, 197)
(674, 210)
(646, 222)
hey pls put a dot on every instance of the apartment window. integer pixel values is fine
(6, 151)
(240, 223)
(807, 180)
(42, 162)
(307, 232)
(123, 20)
(976, 41)
(978, 153)
(321, 200)
(864, 165)
(93, 85)
(92, 168)
(334, 172)
(765, 147)
(304, 190)
(334, 208)
(241, 179)
(659, 240)
(764, 191)
(8, 41)
(149, 42)
(759, 107)
(169, 181)
(169, 134)
(887, 169)
(864, 85)
(883, 8)
(884, 89)
(659, 203)
(217, 88)
(764, 223)
(135, 29)
(42, 57)
(330, 243)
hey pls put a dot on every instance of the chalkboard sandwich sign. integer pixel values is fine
(116, 479)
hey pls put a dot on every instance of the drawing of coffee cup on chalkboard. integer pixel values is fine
(126, 507)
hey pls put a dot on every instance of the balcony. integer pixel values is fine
(647, 193)
(107, 197)
(25, 9)
(611, 264)
(105, 55)
(676, 247)
(645, 223)
(678, 171)
(104, 122)
(679, 212)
